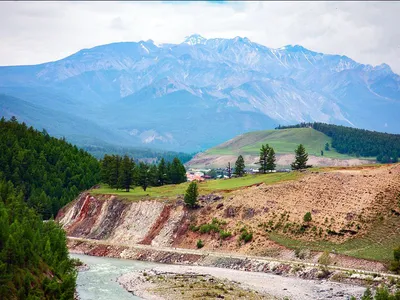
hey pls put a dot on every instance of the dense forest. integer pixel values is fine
(123, 173)
(34, 262)
(139, 154)
(38, 175)
(358, 142)
(49, 172)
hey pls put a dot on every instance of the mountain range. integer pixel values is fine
(196, 94)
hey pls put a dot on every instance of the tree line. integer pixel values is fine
(122, 172)
(267, 160)
(49, 172)
(358, 142)
(139, 154)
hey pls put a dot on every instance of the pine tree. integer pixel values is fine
(126, 173)
(239, 166)
(327, 147)
(143, 174)
(177, 172)
(271, 159)
(162, 172)
(191, 195)
(229, 170)
(301, 158)
(263, 158)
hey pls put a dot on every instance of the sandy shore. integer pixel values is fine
(269, 284)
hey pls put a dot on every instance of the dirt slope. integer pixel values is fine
(205, 160)
(343, 204)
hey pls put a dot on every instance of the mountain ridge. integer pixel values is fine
(212, 80)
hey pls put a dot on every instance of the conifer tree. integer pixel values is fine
(162, 172)
(271, 159)
(126, 173)
(263, 158)
(177, 172)
(191, 195)
(239, 166)
(143, 174)
(301, 158)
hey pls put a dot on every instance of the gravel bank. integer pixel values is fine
(278, 286)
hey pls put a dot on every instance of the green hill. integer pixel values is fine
(283, 141)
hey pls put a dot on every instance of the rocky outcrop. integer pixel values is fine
(114, 220)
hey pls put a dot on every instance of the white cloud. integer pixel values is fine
(35, 32)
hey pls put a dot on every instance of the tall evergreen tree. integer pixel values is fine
(263, 158)
(115, 168)
(229, 170)
(239, 166)
(300, 159)
(144, 176)
(271, 159)
(191, 195)
(177, 172)
(126, 173)
(162, 172)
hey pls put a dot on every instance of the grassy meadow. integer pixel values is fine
(206, 187)
(283, 141)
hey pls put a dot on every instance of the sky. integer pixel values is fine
(36, 32)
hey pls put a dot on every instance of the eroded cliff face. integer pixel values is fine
(344, 204)
(119, 221)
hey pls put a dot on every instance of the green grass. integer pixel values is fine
(206, 187)
(283, 141)
(377, 244)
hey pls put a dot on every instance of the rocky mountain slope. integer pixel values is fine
(347, 206)
(196, 94)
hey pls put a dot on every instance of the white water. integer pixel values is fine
(100, 281)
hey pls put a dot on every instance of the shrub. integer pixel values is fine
(367, 295)
(200, 244)
(206, 228)
(395, 264)
(224, 234)
(194, 228)
(324, 259)
(245, 235)
(307, 217)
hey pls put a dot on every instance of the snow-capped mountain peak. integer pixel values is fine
(194, 39)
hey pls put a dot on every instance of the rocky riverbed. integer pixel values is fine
(188, 282)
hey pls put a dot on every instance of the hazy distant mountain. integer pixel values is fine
(199, 93)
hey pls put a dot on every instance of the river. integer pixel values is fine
(100, 281)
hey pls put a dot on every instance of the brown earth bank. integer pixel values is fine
(195, 258)
(205, 160)
(343, 203)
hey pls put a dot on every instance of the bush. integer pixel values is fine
(395, 264)
(224, 234)
(206, 228)
(245, 235)
(200, 244)
(307, 217)
(324, 259)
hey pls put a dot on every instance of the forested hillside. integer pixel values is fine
(358, 142)
(34, 262)
(49, 172)
(38, 175)
(139, 154)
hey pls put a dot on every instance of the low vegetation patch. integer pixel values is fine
(193, 286)
(245, 236)
(216, 226)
